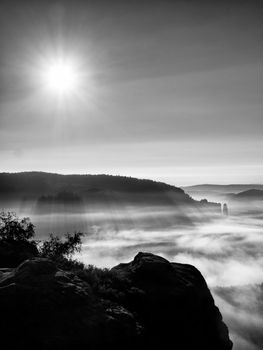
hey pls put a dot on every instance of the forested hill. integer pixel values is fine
(55, 189)
(39, 183)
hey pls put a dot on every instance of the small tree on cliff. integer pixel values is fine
(61, 250)
(66, 246)
(16, 240)
(14, 229)
(17, 243)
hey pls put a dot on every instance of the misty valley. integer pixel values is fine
(131, 175)
(123, 216)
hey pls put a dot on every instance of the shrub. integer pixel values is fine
(14, 229)
(16, 240)
(69, 264)
(106, 283)
(58, 248)
(17, 244)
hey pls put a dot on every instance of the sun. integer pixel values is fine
(60, 77)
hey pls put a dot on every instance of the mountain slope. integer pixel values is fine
(91, 188)
(36, 182)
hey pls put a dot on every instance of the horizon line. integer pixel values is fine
(127, 176)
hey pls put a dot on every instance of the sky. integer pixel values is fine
(167, 90)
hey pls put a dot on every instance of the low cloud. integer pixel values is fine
(227, 251)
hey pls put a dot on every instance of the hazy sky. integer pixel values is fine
(169, 90)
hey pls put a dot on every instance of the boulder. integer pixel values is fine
(148, 303)
(43, 307)
(13, 253)
(175, 306)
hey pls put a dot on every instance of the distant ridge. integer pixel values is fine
(252, 194)
(234, 188)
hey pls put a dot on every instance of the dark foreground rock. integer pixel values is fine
(175, 305)
(146, 304)
(13, 253)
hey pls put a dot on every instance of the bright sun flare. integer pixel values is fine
(61, 77)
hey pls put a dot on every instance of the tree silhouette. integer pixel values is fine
(14, 229)
(57, 248)
(17, 243)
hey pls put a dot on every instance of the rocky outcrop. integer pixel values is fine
(43, 307)
(13, 253)
(146, 304)
(175, 305)
(225, 209)
(210, 207)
